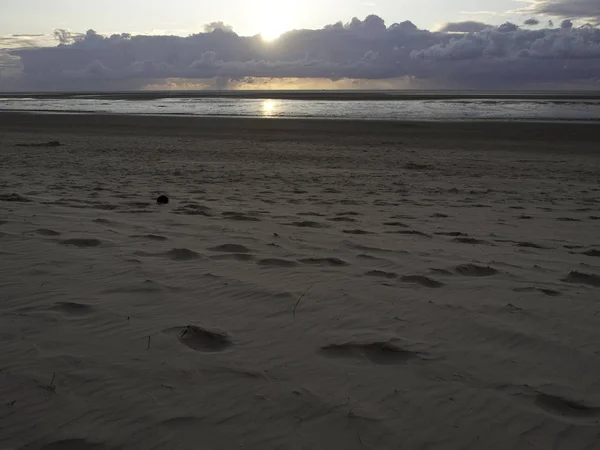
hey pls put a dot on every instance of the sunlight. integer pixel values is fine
(269, 108)
(274, 18)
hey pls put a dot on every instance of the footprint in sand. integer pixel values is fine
(308, 224)
(276, 262)
(335, 262)
(72, 308)
(82, 243)
(342, 219)
(381, 274)
(451, 233)
(548, 292)
(76, 444)
(356, 231)
(202, 339)
(240, 217)
(182, 254)
(230, 248)
(152, 237)
(233, 257)
(472, 241)
(422, 280)
(379, 353)
(559, 407)
(410, 232)
(582, 278)
(46, 232)
(473, 270)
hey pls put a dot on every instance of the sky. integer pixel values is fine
(246, 16)
(420, 43)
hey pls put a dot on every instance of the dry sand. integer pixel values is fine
(454, 279)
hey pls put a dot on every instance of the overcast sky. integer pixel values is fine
(441, 43)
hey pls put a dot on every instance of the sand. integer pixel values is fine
(310, 285)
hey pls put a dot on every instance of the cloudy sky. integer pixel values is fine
(130, 44)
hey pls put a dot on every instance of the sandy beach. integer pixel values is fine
(310, 285)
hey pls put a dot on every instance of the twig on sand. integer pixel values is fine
(300, 299)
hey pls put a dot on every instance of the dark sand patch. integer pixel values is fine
(379, 353)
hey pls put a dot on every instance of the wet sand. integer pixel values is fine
(311, 284)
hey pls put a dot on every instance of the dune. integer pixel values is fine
(310, 284)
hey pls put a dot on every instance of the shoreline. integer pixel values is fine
(311, 95)
(307, 118)
(297, 128)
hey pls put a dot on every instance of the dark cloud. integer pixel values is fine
(469, 26)
(217, 26)
(569, 9)
(532, 22)
(481, 56)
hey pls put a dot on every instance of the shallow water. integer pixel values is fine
(402, 109)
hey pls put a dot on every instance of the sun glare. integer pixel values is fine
(274, 18)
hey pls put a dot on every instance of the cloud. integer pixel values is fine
(532, 22)
(217, 26)
(469, 26)
(481, 56)
(587, 10)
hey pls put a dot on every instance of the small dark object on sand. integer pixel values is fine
(162, 200)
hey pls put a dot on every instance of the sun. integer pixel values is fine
(274, 18)
(271, 33)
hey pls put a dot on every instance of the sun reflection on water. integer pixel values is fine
(269, 108)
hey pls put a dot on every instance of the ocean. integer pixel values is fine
(383, 105)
